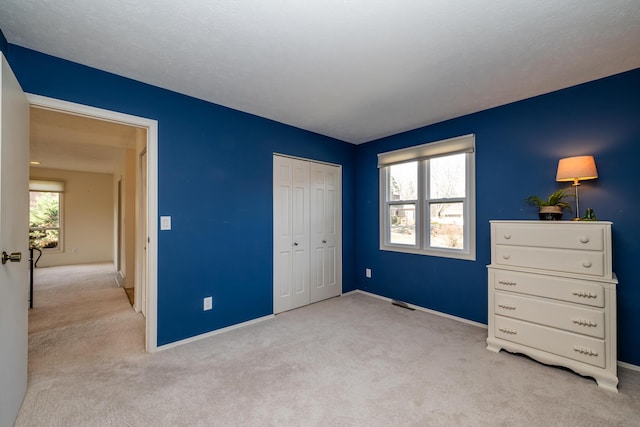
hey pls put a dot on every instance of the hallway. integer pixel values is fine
(69, 296)
(81, 322)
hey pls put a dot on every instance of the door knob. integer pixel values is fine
(14, 257)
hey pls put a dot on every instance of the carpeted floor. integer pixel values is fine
(349, 361)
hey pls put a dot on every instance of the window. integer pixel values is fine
(427, 199)
(45, 214)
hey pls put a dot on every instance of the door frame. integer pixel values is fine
(151, 126)
(142, 242)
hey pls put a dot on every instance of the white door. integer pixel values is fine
(307, 232)
(326, 232)
(14, 232)
(290, 233)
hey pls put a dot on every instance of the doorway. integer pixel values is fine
(145, 209)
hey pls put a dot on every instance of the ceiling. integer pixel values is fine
(355, 70)
(70, 142)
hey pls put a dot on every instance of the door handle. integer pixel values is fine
(14, 257)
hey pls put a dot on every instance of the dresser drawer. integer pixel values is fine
(552, 235)
(566, 344)
(559, 288)
(588, 263)
(587, 321)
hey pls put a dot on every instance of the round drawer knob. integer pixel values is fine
(586, 264)
(507, 236)
(584, 239)
(506, 256)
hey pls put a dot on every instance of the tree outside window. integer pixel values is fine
(44, 219)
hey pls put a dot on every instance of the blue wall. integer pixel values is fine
(517, 151)
(215, 180)
(3, 43)
(225, 227)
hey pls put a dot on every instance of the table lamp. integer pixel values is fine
(576, 169)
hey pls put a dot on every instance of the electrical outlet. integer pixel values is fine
(367, 273)
(207, 303)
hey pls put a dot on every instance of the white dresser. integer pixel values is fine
(552, 295)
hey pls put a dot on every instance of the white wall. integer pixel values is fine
(87, 221)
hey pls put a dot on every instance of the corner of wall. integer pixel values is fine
(3, 43)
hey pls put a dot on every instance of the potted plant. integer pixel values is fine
(552, 207)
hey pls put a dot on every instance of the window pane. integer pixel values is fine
(447, 177)
(403, 181)
(403, 224)
(44, 219)
(44, 209)
(447, 225)
(44, 239)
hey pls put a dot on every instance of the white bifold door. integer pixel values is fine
(307, 232)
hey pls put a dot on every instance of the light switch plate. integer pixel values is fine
(165, 223)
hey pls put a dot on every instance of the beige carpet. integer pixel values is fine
(349, 361)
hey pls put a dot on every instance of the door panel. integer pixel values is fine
(300, 243)
(290, 233)
(326, 232)
(282, 239)
(14, 232)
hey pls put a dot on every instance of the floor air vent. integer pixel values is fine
(402, 304)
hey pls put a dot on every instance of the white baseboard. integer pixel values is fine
(629, 366)
(426, 310)
(120, 278)
(357, 291)
(216, 332)
(463, 320)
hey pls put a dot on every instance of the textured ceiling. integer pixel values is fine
(356, 70)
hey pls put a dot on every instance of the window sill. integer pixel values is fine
(437, 253)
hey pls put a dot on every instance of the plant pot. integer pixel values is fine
(550, 213)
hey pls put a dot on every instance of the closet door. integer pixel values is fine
(325, 232)
(290, 233)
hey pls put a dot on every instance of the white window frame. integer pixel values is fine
(422, 154)
(50, 186)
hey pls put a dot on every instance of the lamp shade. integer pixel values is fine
(576, 168)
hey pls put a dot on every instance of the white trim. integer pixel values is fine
(306, 159)
(151, 340)
(629, 366)
(423, 309)
(119, 278)
(216, 332)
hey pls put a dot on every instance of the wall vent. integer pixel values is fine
(402, 304)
